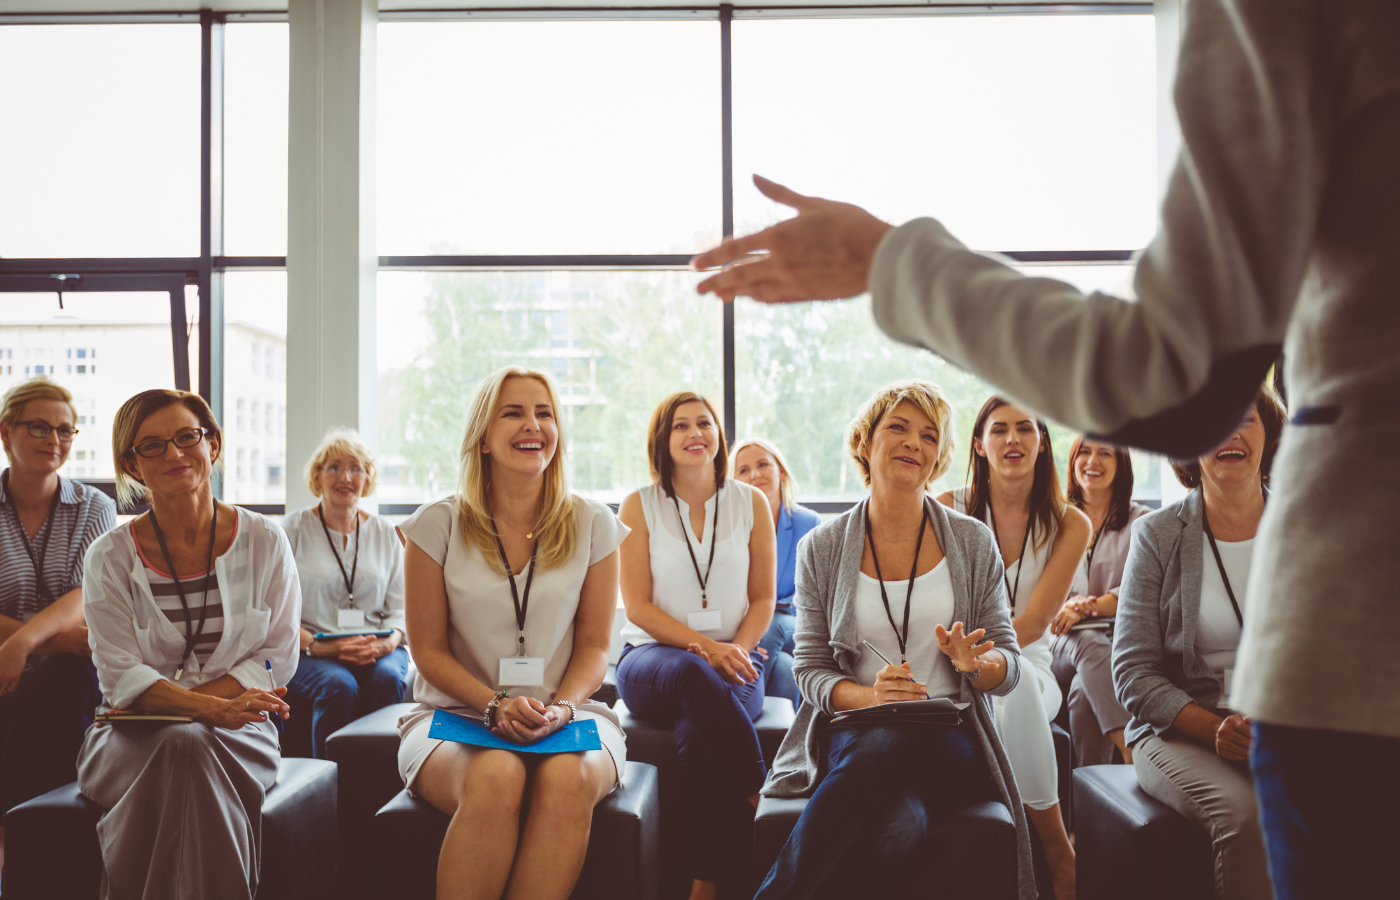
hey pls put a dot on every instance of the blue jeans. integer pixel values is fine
(1328, 801)
(885, 790)
(778, 641)
(42, 723)
(337, 693)
(720, 760)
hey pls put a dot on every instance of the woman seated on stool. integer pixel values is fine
(697, 578)
(1179, 617)
(758, 463)
(513, 566)
(192, 609)
(1101, 487)
(351, 569)
(48, 687)
(1015, 489)
(923, 586)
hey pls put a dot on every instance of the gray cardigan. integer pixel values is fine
(828, 570)
(1156, 671)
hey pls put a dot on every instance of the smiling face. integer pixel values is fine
(42, 455)
(694, 439)
(903, 449)
(757, 467)
(1237, 460)
(523, 435)
(340, 486)
(1010, 441)
(177, 471)
(1095, 466)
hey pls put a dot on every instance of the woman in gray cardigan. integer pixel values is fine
(877, 790)
(1180, 613)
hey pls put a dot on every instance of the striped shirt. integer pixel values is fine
(201, 596)
(82, 516)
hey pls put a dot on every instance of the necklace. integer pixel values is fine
(900, 540)
(529, 535)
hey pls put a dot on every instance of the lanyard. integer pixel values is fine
(1020, 560)
(521, 606)
(335, 551)
(903, 638)
(45, 530)
(714, 539)
(1229, 591)
(190, 639)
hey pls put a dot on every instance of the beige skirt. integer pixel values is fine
(415, 746)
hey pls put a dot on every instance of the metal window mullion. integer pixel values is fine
(211, 217)
(726, 82)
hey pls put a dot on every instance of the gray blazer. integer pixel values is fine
(1156, 671)
(828, 570)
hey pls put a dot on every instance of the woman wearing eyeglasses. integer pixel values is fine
(351, 568)
(192, 610)
(48, 688)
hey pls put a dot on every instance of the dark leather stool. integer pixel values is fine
(51, 845)
(1126, 837)
(621, 862)
(982, 831)
(654, 742)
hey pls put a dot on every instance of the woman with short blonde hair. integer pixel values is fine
(350, 565)
(511, 587)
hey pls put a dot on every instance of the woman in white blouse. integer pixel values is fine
(1014, 488)
(192, 610)
(698, 581)
(511, 589)
(351, 569)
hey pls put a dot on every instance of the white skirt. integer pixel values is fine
(1023, 717)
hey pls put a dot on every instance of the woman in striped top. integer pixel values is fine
(47, 685)
(193, 611)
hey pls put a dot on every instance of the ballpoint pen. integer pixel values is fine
(877, 652)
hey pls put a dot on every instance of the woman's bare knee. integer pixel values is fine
(494, 778)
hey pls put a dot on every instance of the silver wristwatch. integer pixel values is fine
(573, 710)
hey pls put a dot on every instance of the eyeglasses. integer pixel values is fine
(156, 447)
(41, 429)
(334, 470)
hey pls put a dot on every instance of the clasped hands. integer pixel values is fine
(731, 661)
(1233, 738)
(524, 720)
(895, 684)
(1076, 608)
(253, 705)
(362, 650)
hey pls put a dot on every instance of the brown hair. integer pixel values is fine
(928, 397)
(1047, 501)
(127, 425)
(1272, 415)
(34, 389)
(659, 440)
(1120, 501)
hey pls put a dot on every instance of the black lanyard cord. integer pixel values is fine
(45, 530)
(335, 551)
(1020, 560)
(903, 637)
(522, 607)
(714, 539)
(1219, 564)
(190, 639)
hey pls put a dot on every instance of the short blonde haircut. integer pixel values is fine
(928, 397)
(787, 485)
(127, 425)
(557, 526)
(341, 442)
(12, 406)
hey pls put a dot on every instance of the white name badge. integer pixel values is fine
(349, 618)
(705, 620)
(522, 671)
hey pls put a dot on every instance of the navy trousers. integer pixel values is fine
(42, 723)
(1328, 802)
(864, 829)
(721, 762)
(335, 693)
(779, 643)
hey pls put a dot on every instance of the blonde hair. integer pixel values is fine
(127, 424)
(557, 527)
(928, 397)
(40, 388)
(787, 484)
(341, 442)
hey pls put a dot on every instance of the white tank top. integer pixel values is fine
(1027, 569)
(674, 585)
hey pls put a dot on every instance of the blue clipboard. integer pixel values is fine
(575, 737)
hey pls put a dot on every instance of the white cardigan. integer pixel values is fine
(134, 645)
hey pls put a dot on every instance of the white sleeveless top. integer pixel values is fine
(674, 585)
(1028, 568)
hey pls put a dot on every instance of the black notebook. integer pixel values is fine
(939, 711)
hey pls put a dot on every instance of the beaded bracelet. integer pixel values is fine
(488, 718)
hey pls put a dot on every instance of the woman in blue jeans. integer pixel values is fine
(697, 578)
(760, 464)
(898, 599)
(350, 565)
